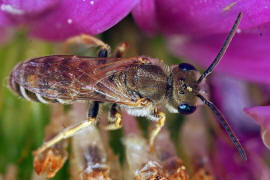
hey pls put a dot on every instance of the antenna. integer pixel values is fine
(225, 125)
(222, 50)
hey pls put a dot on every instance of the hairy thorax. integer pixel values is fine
(147, 81)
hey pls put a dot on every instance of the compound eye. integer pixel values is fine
(186, 67)
(186, 108)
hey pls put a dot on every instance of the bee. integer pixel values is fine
(139, 85)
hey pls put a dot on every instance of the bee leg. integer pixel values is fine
(88, 40)
(114, 118)
(71, 130)
(120, 50)
(93, 111)
(159, 124)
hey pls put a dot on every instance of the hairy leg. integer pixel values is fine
(159, 124)
(90, 41)
(114, 119)
(72, 130)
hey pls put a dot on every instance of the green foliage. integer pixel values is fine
(116, 143)
(21, 123)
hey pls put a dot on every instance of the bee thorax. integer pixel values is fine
(148, 81)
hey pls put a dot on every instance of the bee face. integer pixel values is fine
(184, 88)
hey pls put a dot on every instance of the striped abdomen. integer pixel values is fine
(25, 93)
(26, 80)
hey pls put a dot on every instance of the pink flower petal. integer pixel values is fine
(27, 7)
(5, 24)
(145, 16)
(228, 165)
(4, 20)
(247, 57)
(130, 124)
(82, 16)
(203, 17)
(231, 96)
(261, 114)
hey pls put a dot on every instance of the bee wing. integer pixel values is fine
(67, 77)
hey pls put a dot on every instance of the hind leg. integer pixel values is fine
(114, 119)
(73, 129)
(90, 41)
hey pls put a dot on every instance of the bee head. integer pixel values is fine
(184, 88)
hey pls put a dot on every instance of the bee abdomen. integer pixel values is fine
(25, 93)
(31, 96)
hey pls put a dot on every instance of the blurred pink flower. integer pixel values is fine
(196, 16)
(196, 30)
(247, 57)
(4, 20)
(228, 165)
(261, 114)
(5, 24)
(60, 19)
(27, 7)
(231, 96)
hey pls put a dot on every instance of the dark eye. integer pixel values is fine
(181, 92)
(186, 67)
(186, 109)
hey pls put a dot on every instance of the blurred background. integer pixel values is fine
(190, 147)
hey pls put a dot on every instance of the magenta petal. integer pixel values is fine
(144, 15)
(3, 35)
(261, 114)
(247, 56)
(231, 96)
(4, 20)
(26, 7)
(5, 24)
(85, 16)
(229, 166)
(205, 17)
